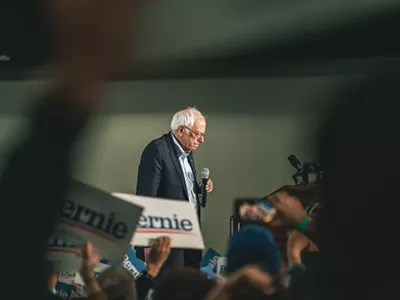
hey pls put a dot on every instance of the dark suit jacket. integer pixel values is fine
(160, 175)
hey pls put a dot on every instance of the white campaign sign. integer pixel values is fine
(67, 277)
(98, 269)
(163, 217)
(221, 265)
(64, 259)
(88, 214)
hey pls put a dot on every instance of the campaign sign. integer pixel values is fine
(63, 290)
(66, 277)
(221, 265)
(161, 217)
(90, 214)
(210, 258)
(61, 251)
(133, 264)
(70, 284)
(98, 269)
(78, 291)
(64, 286)
(130, 262)
(208, 271)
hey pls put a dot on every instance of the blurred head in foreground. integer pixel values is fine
(118, 284)
(254, 245)
(359, 149)
(183, 284)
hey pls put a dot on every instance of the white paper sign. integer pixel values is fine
(221, 265)
(88, 214)
(162, 217)
(98, 269)
(65, 257)
(67, 277)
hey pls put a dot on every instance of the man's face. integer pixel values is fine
(191, 138)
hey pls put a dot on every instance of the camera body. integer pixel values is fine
(306, 173)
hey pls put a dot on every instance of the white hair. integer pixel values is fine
(186, 117)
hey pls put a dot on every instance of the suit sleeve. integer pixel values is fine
(150, 169)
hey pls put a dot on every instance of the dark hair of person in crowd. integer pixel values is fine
(253, 245)
(118, 284)
(247, 292)
(183, 284)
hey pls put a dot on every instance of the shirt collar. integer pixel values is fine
(182, 153)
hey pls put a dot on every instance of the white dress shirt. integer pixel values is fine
(187, 171)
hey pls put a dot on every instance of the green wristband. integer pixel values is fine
(52, 291)
(303, 224)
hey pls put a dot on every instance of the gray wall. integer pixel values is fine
(253, 125)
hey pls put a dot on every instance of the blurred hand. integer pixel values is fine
(90, 259)
(249, 212)
(255, 212)
(290, 211)
(158, 255)
(51, 276)
(209, 186)
(52, 280)
(256, 278)
(249, 275)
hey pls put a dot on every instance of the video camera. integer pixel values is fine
(307, 179)
(308, 173)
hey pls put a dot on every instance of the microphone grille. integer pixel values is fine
(205, 173)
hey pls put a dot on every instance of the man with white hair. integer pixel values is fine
(167, 170)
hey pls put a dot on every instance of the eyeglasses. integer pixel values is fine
(198, 135)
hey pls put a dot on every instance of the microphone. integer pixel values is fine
(294, 161)
(205, 173)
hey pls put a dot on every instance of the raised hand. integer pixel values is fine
(289, 209)
(158, 255)
(90, 259)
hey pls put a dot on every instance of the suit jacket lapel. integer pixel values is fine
(174, 156)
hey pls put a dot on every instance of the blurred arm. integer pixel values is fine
(35, 176)
(295, 245)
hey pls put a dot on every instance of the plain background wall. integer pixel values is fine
(253, 125)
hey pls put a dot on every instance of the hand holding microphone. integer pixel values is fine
(206, 185)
